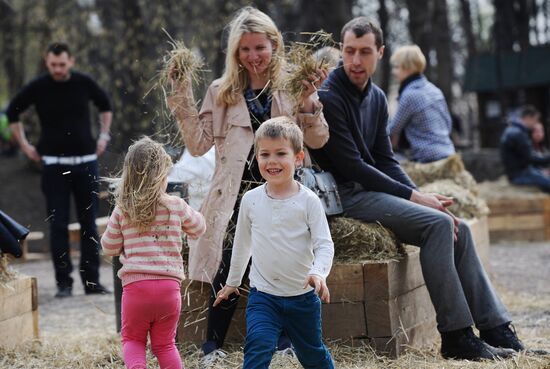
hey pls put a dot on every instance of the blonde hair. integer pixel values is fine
(280, 127)
(410, 58)
(146, 167)
(235, 78)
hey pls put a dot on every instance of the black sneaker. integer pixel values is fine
(463, 344)
(63, 292)
(502, 336)
(96, 289)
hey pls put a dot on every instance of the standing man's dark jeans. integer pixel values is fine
(58, 182)
(532, 176)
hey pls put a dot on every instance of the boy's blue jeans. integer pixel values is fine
(299, 316)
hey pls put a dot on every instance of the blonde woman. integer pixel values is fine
(146, 229)
(234, 107)
(422, 114)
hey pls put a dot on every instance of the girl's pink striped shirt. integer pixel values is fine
(156, 252)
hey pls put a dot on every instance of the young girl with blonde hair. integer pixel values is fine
(146, 230)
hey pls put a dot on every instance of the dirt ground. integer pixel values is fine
(520, 272)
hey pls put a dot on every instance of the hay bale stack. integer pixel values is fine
(357, 242)
(502, 188)
(6, 272)
(450, 168)
(466, 204)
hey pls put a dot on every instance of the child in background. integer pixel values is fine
(146, 229)
(283, 227)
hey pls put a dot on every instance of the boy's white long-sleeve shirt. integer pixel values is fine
(288, 240)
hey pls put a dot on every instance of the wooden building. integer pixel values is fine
(503, 82)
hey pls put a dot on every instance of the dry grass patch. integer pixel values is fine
(103, 351)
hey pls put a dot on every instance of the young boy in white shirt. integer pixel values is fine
(283, 227)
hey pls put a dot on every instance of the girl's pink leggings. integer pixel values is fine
(151, 306)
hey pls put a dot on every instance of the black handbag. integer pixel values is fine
(11, 233)
(324, 185)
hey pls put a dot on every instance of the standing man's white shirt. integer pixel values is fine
(278, 236)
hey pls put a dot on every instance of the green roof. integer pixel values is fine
(527, 68)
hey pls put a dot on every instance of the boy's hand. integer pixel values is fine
(224, 294)
(320, 286)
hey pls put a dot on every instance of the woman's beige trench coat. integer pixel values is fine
(230, 130)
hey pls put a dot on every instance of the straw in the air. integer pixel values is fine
(180, 64)
(301, 64)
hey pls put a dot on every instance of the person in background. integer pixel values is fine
(195, 173)
(68, 152)
(374, 188)
(329, 55)
(521, 162)
(422, 114)
(537, 136)
(283, 227)
(146, 229)
(234, 107)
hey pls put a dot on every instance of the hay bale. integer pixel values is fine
(466, 204)
(6, 272)
(502, 188)
(356, 241)
(449, 168)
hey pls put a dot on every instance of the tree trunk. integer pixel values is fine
(523, 17)
(466, 21)
(504, 28)
(8, 53)
(442, 41)
(420, 19)
(385, 63)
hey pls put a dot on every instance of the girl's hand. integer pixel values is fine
(320, 286)
(224, 294)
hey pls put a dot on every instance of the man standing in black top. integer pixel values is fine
(374, 188)
(69, 154)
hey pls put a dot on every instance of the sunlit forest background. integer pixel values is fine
(121, 44)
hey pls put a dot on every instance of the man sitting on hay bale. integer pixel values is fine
(374, 188)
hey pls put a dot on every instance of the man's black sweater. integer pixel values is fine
(359, 149)
(64, 112)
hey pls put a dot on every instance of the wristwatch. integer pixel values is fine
(105, 136)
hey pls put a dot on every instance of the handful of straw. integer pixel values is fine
(302, 64)
(180, 65)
